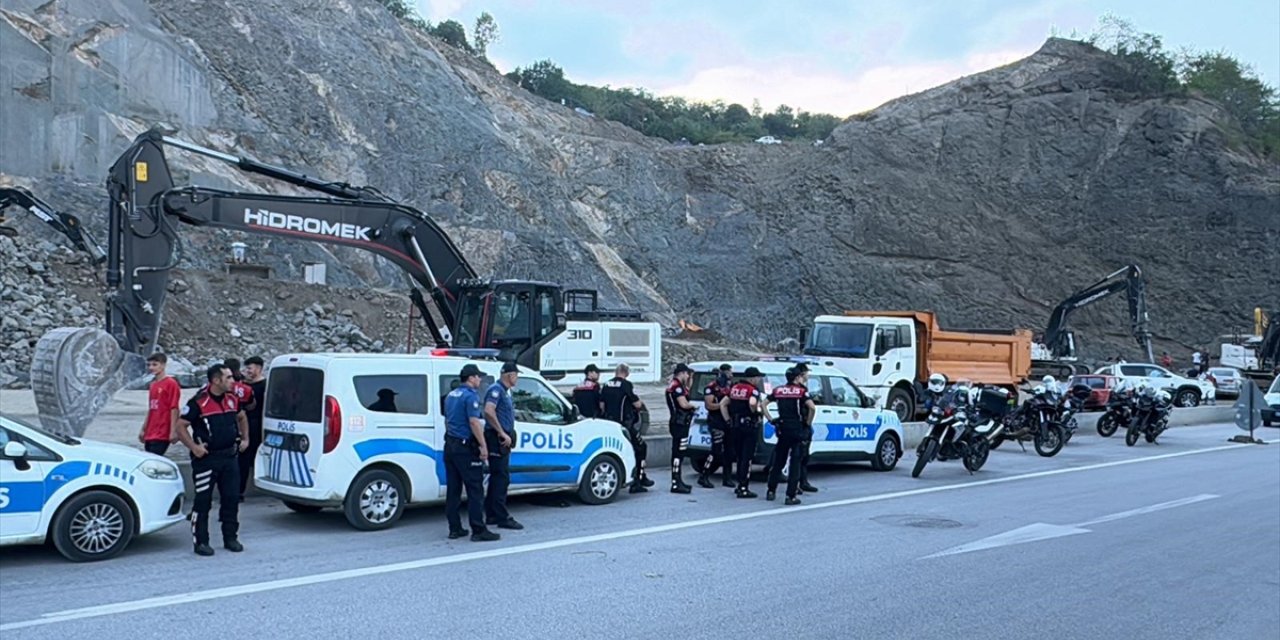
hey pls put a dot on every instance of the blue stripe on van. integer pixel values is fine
(543, 467)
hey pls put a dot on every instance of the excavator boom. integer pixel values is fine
(1129, 280)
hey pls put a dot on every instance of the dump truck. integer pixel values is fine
(891, 354)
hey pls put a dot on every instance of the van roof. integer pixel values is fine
(316, 359)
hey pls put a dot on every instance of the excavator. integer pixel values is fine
(1057, 350)
(538, 324)
(64, 223)
(1257, 356)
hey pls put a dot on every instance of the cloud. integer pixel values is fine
(803, 87)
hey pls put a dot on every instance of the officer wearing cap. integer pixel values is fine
(586, 396)
(795, 413)
(386, 402)
(721, 447)
(500, 434)
(465, 452)
(681, 412)
(802, 369)
(742, 412)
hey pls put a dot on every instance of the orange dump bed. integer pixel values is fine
(995, 357)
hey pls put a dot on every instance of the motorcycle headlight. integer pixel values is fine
(158, 470)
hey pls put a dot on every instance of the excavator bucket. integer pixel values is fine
(74, 373)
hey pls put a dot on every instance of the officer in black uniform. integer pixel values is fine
(742, 412)
(807, 443)
(721, 450)
(622, 405)
(586, 396)
(219, 431)
(795, 411)
(681, 412)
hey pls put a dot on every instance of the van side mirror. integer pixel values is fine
(572, 415)
(868, 402)
(17, 452)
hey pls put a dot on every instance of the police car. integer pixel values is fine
(90, 498)
(847, 426)
(365, 433)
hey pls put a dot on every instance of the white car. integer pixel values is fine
(365, 433)
(1271, 414)
(846, 428)
(89, 498)
(1186, 392)
(768, 140)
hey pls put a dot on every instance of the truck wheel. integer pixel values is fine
(1187, 397)
(95, 525)
(887, 454)
(601, 481)
(375, 501)
(901, 403)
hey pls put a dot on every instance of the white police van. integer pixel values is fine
(365, 432)
(847, 427)
(90, 498)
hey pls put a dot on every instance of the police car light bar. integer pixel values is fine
(796, 359)
(475, 354)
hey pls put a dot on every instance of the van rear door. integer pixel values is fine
(297, 426)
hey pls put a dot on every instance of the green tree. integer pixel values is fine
(485, 33)
(398, 8)
(736, 114)
(542, 78)
(452, 33)
(1147, 67)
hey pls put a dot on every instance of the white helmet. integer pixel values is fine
(937, 382)
(1149, 391)
(1039, 390)
(1049, 381)
(1163, 396)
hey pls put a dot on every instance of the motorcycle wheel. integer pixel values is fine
(977, 455)
(930, 449)
(1131, 436)
(1049, 440)
(1150, 437)
(1107, 426)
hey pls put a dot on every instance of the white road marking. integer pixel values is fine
(363, 572)
(1038, 531)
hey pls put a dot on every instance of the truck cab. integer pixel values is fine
(878, 353)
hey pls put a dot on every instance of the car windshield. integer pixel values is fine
(48, 434)
(839, 339)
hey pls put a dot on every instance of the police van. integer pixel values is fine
(365, 433)
(847, 427)
(90, 499)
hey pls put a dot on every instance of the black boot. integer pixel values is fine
(728, 480)
(705, 482)
(677, 477)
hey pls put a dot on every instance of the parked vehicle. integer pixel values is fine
(847, 428)
(768, 140)
(1186, 392)
(90, 499)
(1069, 404)
(1227, 381)
(1150, 417)
(1271, 414)
(330, 441)
(1120, 406)
(891, 354)
(1035, 420)
(1100, 387)
(957, 429)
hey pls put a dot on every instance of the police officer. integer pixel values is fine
(721, 452)
(586, 396)
(500, 435)
(681, 412)
(807, 443)
(795, 417)
(742, 412)
(465, 451)
(219, 431)
(622, 405)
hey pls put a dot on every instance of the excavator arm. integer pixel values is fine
(147, 207)
(64, 223)
(1129, 280)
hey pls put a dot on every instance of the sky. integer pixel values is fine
(838, 57)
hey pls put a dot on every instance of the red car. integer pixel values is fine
(1101, 386)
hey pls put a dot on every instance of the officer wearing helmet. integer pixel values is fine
(934, 390)
(1050, 386)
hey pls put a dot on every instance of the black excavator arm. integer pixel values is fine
(1128, 279)
(64, 223)
(143, 244)
(1269, 348)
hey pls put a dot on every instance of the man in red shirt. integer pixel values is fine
(162, 407)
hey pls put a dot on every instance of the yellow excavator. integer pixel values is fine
(1257, 356)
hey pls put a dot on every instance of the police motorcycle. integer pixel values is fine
(1150, 416)
(1036, 420)
(1119, 411)
(1070, 404)
(959, 424)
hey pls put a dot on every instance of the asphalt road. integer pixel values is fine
(1180, 540)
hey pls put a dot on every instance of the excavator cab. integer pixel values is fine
(509, 316)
